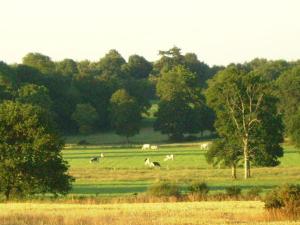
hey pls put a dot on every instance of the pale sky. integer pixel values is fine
(218, 31)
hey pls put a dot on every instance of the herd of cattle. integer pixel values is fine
(147, 162)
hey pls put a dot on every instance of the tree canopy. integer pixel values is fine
(125, 114)
(182, 106)
(289, 95)
(30, 152)
(241, 97)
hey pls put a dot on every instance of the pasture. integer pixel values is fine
(122, 170)
(205, 213)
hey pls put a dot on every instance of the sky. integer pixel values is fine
(218, 31)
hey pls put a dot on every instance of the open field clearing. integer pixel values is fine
(122, 170)
(208, 213)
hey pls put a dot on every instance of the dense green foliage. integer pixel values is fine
(34, 95)
(125, 114)
(62, 86)
(30, 152)
(289, 95)
(181, 109)
(246, 115)
(86, 118)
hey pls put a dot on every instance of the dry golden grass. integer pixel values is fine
(208, 213)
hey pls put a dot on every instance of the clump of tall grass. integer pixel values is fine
(233, 191)
(285, 199)
(253, 193)
(198, 191)
(164, 189)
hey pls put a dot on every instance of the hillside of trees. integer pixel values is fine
(113, 93)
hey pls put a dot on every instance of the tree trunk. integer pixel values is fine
(246, 159)
(233, 171)
(7, 193)
(249, 173)
(127, 139)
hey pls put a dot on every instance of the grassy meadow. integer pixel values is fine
(122, 170)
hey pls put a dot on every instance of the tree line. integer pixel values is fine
(113, 94)
(109, 94)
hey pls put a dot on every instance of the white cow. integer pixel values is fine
(145, 146)
(169, 157)
(204, 146)
(154, 147)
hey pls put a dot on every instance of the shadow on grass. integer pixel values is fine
(130, 188)
(108, 189)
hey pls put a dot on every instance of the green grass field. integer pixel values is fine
(122, 170)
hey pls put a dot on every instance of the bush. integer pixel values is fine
(254, 192)
(163, 189)
(272, 200)
(83, 142)
(286, 197)
(233, 191)
(200, 188)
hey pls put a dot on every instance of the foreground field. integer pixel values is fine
(206, 213)
(122, 170)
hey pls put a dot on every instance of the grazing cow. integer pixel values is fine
(94, 159)
(154, 147)
(169, 157)
(151, 164)
(155, 164)
(147, 162)
(145, 146)
(204, 146)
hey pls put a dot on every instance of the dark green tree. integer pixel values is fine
(111, 65)
(138, 67)
(168, 60)
(242, 96)
(125, 114)
(35, 95)
(295, 128)
(289, 96)
(201, 69)
(140, 89)
(64, 102)
(41, 62)
(30, 152)
(86, 118)
(7, 81)
(173, 57)
(92, 90)
(174, 118)
(28, 75)
(225, 152)
(182, 106)
(67, 67)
